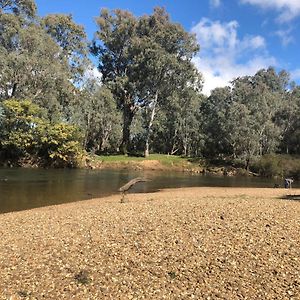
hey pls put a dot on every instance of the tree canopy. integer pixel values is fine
(147, 97)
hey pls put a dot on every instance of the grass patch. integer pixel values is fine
(23, 294)
(162, 158)
(82, 277)
(172, 275)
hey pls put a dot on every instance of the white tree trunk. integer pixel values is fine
(152, 115)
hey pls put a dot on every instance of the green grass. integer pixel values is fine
(163, 158)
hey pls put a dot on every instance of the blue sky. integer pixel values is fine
(237, 37)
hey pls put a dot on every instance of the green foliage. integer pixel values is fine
(277, 166)
(252, 118)
(40, 59)
(143, 60)
(148, 96)
(60, 144)
(269, 166)
(71, 38)
(21, 120)
(25, 132)
(19, 7)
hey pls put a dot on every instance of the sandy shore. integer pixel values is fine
(191, 243)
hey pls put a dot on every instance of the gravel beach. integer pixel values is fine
(191, 243)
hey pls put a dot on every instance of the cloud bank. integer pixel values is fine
(224, 56)
(288, 9)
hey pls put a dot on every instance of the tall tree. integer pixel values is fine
(72, 40)
(98, 117)
(163, 55)
(27, 8)
(215, 110)
(35, 63)
(113, 47)
(142, 59)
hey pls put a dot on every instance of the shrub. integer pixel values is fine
(60, 144)
(278, 165)
(26, 133)
(269, 166)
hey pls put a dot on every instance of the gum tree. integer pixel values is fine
(142, 60)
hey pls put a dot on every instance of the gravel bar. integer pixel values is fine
(190, 243)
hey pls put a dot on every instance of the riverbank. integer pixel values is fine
(155, 162)
(162, 162)
(268, 166)
(191, 243)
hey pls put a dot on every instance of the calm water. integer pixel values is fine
(27, 188)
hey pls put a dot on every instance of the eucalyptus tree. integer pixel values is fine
(177, 127)
(73, 53)
(288, 118)
(28, 60)
(72, 41)
(264, 98)
(113, 45)
(163, 56)
(215, 110)
(97, 115)
(27, 8)
(39, 59)
(142, 60)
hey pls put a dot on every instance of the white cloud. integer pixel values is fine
(295, 74)
(215, 3)
(285, 36)
(223, 56)
(288, 9)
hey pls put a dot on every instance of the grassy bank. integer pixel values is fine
(153, 162)
(266, 166)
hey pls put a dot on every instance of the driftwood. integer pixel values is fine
(125, 188)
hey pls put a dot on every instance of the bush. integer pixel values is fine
(268, 166)
(60, 144)
(26, 133)
(278, 166)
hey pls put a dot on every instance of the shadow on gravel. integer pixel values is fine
(291, 197)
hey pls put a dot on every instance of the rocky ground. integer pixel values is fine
(192, 243)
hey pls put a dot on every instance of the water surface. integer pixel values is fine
(28, 188)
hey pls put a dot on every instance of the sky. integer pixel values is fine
(236, 37)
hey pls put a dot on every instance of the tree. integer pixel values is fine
(72, 40)
(177, 127)
(27, 134)
(116, 61)
(26, 8)
(288, 119)
(19, 133)
(141, 59)
(263, 94)
(163, 58)
(244, 120)
(214, 111)
(34, 64)
(99, 119)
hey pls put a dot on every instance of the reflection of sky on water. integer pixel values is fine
(27, 188)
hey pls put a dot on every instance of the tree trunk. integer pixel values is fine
(247, 164)
(128, 114)
(153, 108)
(14, 89)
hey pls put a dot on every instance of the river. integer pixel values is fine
(22, 189)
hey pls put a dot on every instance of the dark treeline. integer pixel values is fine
(147, 99)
